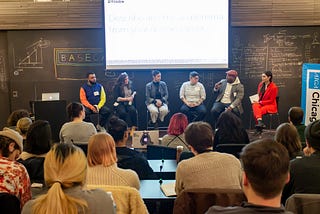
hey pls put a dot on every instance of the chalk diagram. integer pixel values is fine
(3, 79)
(33, 57)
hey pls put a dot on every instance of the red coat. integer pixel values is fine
(269, 98)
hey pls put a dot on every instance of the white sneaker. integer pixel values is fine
(101, 128)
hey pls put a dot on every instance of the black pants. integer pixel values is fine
(104, 114)
(124, 110)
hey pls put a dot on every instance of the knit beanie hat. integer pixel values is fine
(312, 131)
(13, 135)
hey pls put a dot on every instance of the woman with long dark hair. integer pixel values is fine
(123, 93)
(268, 92)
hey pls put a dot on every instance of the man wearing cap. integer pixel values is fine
(305, 171)
(229, 93)
(14, 176)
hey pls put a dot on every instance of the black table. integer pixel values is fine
(165, 169)
(154, 198)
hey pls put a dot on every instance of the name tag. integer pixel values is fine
(96, 93)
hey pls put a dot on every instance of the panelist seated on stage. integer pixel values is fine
(128, 158)
(192, 93)
(208, 169)
(267, 92)
(93, 97)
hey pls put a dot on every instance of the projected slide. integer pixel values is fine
(166, 34)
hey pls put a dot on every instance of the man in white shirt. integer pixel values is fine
(229, 95)
(192, 94)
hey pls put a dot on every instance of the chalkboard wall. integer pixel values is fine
(57, 60)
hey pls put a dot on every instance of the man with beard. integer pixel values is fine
(229, 93)
(93, 98)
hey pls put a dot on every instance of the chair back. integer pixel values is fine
(234, 149)
(156, 152)
(9, 203)
(196, 201)
(127, 199)
(303, 203)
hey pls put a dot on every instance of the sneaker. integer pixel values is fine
(100, 128)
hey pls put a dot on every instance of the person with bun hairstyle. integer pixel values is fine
(76, 131)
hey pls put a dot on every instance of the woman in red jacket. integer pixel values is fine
(267, 92)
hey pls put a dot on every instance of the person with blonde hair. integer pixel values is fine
(287, 135)
(65, 171)
(102, 164)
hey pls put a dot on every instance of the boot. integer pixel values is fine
(260, 125)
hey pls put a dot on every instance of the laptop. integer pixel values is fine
(50, 96)
(141, 139)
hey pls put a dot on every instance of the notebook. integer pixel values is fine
(168, 189)
(50, 96)
(141, 139)
(254, 98)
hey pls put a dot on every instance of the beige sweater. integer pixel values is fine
(209, 170)
(112, 175)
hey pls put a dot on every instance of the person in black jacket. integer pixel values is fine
(229, 130)
(123, 94)
(128, 158)
(38, 143)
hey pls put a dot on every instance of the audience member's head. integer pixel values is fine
(15, 116)
(178, 123)
(287, 135)
(312, 134)
(38, 139)
(230, 127)
(65, 166)
(295, 115)
(10, 144)
(199, 136)
(23, 125)
(118, 129)
(101, 150)
(75, 110)
(266, 168)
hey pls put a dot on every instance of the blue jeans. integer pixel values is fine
(194, 113)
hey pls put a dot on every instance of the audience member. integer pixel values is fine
(230, 130)
(157, 98)
(102, 162)
(295, 116)
(192, 94)
(305, 171)
(123, 94)
(93, 97)
(208, 169)
(175, 137)
(267, 91)
(15, 116)
(265, 172)
(38, 143)
(77, 131)
(65, 170)
(229, 94)
(22, 127)
(287, 135)
(128, 158)
(14, 176)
